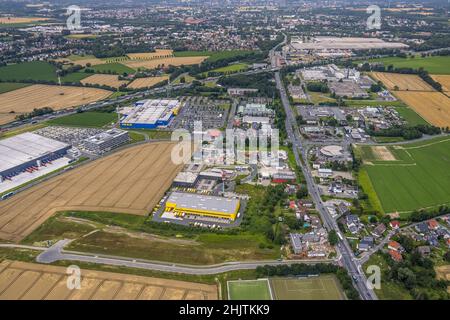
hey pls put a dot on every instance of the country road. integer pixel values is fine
(57, 253)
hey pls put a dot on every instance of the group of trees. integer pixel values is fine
(407, 132)
(425, 214)
(315, 86)
(35, 113)
(416, 273)
(261, 81)
(311, 269)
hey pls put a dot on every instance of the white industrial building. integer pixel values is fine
(28, 151)
(149, 114)
(105, 141)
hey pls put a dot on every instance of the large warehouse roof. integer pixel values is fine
(192, 201)
(26, 147)
(150, 111)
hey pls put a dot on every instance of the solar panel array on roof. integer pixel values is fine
(26, 147)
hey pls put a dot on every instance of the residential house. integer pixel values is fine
(296, 242)
(421, 228)
(353, 223)
(394, 224)
(379, 230)
(424, 251)
(394, 245)
(433, 224)
(395, 255)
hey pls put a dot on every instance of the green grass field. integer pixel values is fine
(9, 86)
(434, 65)
(231, 68)
(410, 116)
(323, 287)
(213, 55)
(75, 77)
(418, 178)
(249, 290)
(36, 70)
(85, 119)
(113, 67)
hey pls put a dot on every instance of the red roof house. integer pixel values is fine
(395, 255)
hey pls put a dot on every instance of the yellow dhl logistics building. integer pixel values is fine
(197, 204)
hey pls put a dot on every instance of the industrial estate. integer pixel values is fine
(241, 151)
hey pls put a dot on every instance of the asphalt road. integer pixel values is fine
(56, 253)
(348, 259)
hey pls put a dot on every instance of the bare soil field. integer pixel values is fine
(30, 281)
(154, 63)
(432, 106)
(130, 181)
(8, 20)
(146, 82)
(404, 82)
(56, 97)
(444, 80)
(104, 80)
(383, 153)
(158, 54)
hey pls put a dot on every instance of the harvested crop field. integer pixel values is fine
(158, 54)
(382, 153)
(8, 20)
(56, 97)
(146, 82)
(154, 63)
(444, 80)
(404, 82)
(105, 80)
(7, 117)
(432, 106)
(30, 281)
(130, 181)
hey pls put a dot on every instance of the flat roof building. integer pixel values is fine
(28, 149)
(196, 204)
(149, 114)
(106, 141)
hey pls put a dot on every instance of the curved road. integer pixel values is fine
(57, 253)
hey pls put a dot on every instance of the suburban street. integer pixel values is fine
(347, 258)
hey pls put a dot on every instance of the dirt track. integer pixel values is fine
(130, 181)
(29, 281)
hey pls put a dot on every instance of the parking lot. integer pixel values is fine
(212, 113)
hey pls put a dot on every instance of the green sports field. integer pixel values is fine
(323, 287)
(417, 176)
(85, 119)
(434, 64)
(249, 290)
